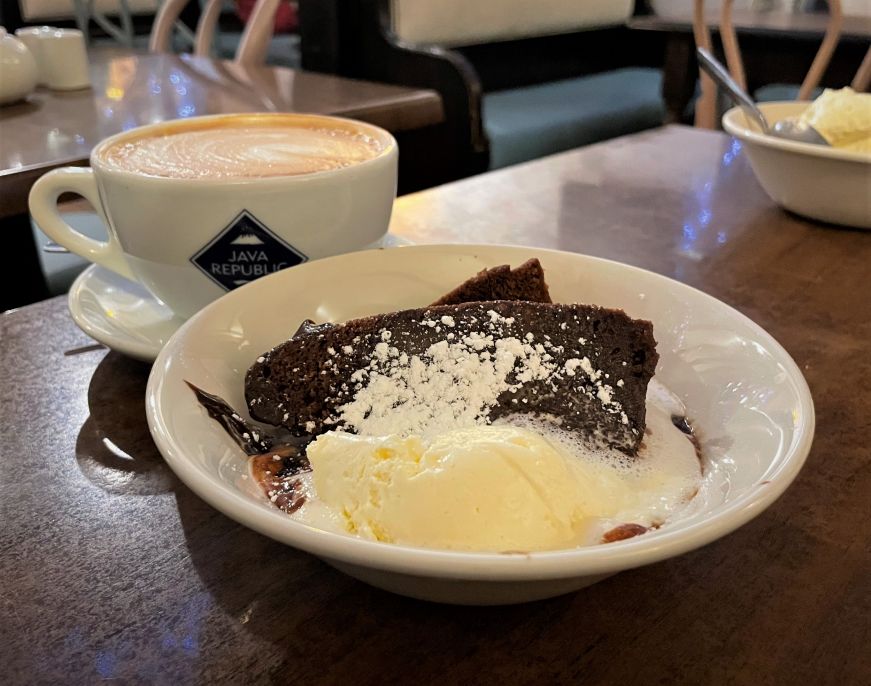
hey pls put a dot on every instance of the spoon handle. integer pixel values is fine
(718, 72)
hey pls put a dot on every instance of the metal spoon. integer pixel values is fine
(52, 247)
(789, 129)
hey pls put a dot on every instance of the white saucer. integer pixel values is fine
(121, 314)
(125, 317)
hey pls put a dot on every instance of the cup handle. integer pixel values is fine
(43, 209)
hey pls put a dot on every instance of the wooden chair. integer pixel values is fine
(706, 105)
(255, 38)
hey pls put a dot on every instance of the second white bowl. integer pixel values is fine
(815, 181)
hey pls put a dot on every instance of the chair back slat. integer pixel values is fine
(206, 27)
(164, 20)
(258, 32)
(255, 38)
(730, 45)
(824, 54)
(862, 80)
(706, 105)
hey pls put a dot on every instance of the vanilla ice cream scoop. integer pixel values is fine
(486, 488)
(843, 118)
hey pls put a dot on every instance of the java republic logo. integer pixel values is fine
(244, 251)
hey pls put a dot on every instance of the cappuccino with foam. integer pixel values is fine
(243, 147)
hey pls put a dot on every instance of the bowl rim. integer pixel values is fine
(448, 564)
(732, 119)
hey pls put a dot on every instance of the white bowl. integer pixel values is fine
(815, 181)
(744, 393)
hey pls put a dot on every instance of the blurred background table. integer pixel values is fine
(132, 89)
(776, 24)
(114, 571)
(53, 129)
(777, 47)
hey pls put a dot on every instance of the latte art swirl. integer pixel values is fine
(244, 151)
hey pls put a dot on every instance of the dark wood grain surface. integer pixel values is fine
(130, 89)
(113, 571)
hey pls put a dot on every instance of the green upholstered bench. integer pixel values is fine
(518, 79)
(774, 92)
(530, 122)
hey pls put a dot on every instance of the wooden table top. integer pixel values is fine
(130, 89)
(112, 569)
(781, 24)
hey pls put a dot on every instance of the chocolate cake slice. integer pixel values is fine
(525, 282)
(426, 371)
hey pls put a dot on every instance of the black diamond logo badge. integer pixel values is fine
(244, 251)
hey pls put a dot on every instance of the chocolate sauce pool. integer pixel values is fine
(276, 457)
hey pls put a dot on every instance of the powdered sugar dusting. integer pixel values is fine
(457, 380)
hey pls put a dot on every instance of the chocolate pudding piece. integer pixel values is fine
(526, 282)
(425, 371)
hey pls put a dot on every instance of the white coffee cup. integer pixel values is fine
(64, 60)
(189, 240)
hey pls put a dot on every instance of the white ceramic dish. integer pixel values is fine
(745, 395)
(812, 180)
(122, 315)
